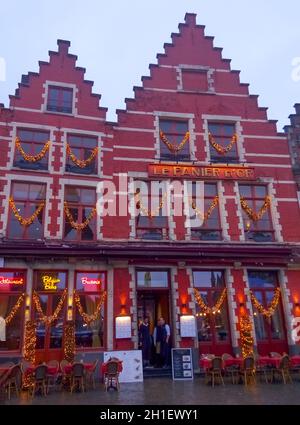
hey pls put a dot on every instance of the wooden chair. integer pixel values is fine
(90, 375)
(52, 377)
(3, 380)
(248, 369)
(111, 375)
(39, 380)
(232, 371)
(64, 377)
(215, 372)
(283, 370)
(77, 376)
(262, 370)
(14, 380)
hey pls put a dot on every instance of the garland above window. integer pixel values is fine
(204, 307)
(145, 211)
(32, 158)
(48, 320)
(208, 213)
(89, 318)
(172, 147)
(219, 148)
(78, 226)
(252, 214)
(267, 312)
(81, 163)
(29, 220)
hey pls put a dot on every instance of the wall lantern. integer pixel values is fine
(123, 327)
(188, 326)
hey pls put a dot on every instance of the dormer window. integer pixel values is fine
(60, 99)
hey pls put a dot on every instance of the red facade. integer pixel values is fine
(149, 265)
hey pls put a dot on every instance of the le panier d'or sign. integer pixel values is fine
(201, 172)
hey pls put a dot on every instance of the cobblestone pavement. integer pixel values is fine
(164, 391)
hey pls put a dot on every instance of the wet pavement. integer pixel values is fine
(164, 391)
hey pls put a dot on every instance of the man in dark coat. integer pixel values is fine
(145, 341)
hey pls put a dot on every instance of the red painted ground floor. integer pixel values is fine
(70, 288)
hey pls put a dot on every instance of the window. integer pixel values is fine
(263, 285)
(49, 285)
(32, 142)
(151, 227)
(222, 134)
(12, 285)
(82, 147)
(174, 132)
(60, 99)
(80, 203)
(194, 80)
(89, 287)
(211, 227)
(152, 279)
(28, 198)
(262, 229)
(213, 328)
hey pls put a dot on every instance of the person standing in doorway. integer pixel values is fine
(145, 341)
(161, 338)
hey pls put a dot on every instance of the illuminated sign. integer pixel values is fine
(50, 282)
(11, 280)
(89, 281)
(201, 172)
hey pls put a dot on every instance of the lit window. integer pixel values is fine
(174, 140)
(223, 142)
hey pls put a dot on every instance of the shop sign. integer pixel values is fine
(89, 281)
(201, 172)
(11, 280)
(50, 282)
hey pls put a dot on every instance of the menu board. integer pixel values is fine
(182, 364)
(123, 327)
(187, 326)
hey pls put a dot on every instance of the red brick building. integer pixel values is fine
(148, 266)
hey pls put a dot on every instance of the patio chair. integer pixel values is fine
(64, 377)
(25, 365)
(3, 380)
(78, 377)
(233, 370)
(52, 377)
(215, 372)
(90, 374)
(111, 375)
(39, 380)
(248, 370)
(14, 380)
(283, 371)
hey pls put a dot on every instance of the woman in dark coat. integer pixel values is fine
(145, 340)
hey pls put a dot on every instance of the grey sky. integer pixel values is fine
(116, 40)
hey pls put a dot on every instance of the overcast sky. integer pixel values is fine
(116, 40)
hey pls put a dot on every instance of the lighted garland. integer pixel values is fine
(15, 309)
(205, 308)
(72, 222)
(220, 149)
(69, 341)
(208, 213)
(252, 214)
(29, 220)
(267, 312)
(29, 351)
(88, 318)
(81, 163)
(147, 212)
(247, 340)
(49, 319)
(32, 158)
(172, 147)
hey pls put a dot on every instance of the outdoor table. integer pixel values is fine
(234, 361)
(295, 361)
(68, 368)
(268, 361)
(205, 363)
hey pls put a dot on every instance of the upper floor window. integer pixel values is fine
(211, 227)
(174, 140)
(222, 142)
(80, 214)
(152, 279)
(151, 223)
(32, 149)
(60, 99)
(27, 207)
(82, 154)
(256, 212)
